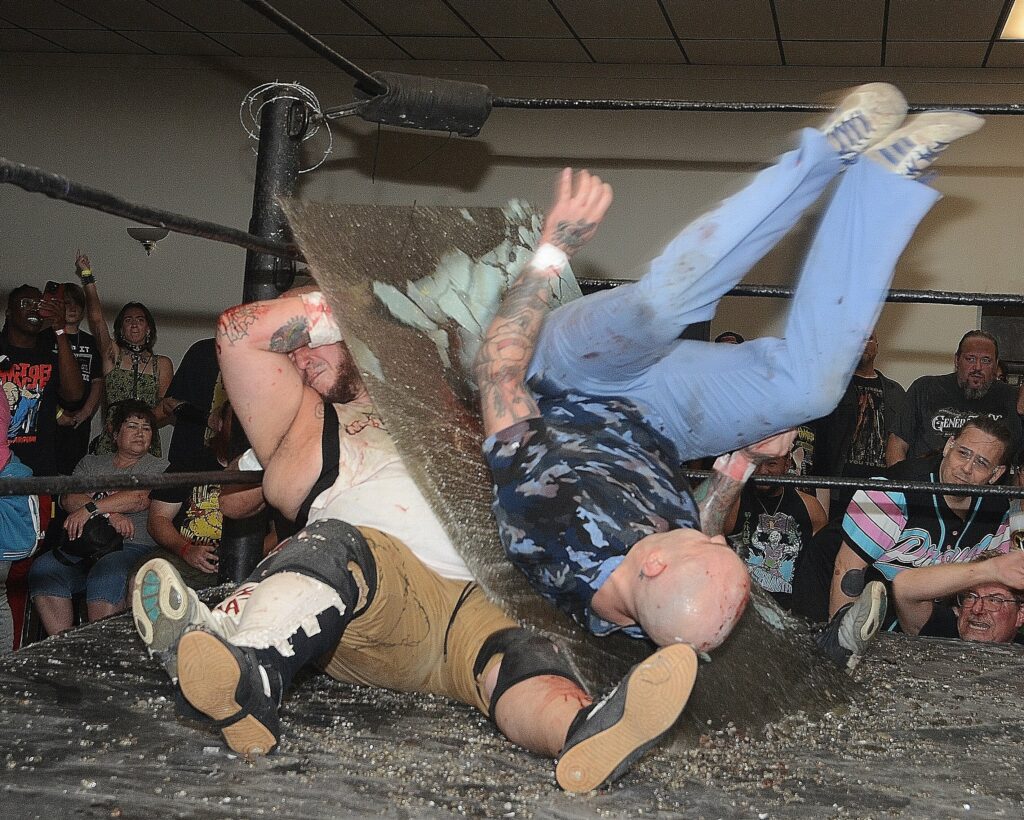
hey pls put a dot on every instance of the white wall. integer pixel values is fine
(165, 132)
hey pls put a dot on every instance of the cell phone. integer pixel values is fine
(51, 287)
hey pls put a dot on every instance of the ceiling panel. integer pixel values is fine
(179, 42)
(1007, 55)
(830, 19)
(126, 15)
(935, 54)
(733, 52)
(724, 20)
(16, 39)
(425, 17)
(99, 41)
(43, 14)
(447, 48)
(365, 47)
(611, 18)
(539, 49)
(832, 53)
(512, 18)
(949, 20)
(627, 50)
(262, 45)
(216, 15)
(324, 16)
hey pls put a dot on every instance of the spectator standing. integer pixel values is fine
(189, 400)
(53, 580)
(131, 370)
(938, 406)
(73, 427)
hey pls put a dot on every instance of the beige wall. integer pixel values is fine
(165, 132)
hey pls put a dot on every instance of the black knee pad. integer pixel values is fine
(526, 655)
(324, 550)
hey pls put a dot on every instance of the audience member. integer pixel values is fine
(729, 337)
(189, 400)
(988, 594)
(770, 525)
(131, 369)
(58, 575)
(893, 531)
(938, 406)
(19, 527)
(73, 426)
(35, 379)
(851, 440)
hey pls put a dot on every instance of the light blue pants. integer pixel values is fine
(710, 398)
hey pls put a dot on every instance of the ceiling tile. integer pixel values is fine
(539, 49)
(126, 15)
(18, 40)
(613, 18)
(424, 17)
(99, 41)
(724, 20)
(1007, 54)
(43, 14)
(366, 47)
(830, 20)
(950, 20)
(832, 53)
(732, 52)
(631, 50)
(934, 54)
(217, 16)
(447, 48)
(263, 45)
(178, 43)
(324, 16)
(512, 18)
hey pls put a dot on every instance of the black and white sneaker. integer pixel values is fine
(868, 114)
(854, 626)
(229, 685)
(609, 736)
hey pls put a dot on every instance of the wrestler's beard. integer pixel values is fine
(347, 386)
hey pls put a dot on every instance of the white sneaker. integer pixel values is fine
(868, 114)
(915, 146)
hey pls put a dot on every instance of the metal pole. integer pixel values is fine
(282, 126)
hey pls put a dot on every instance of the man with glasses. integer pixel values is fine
(938, 406)
(892, 531)
(979, 601)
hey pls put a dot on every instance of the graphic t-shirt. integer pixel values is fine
(937, 408)
(576, 489)
(73, 442)
(867, 445)
(30, 386)
(199, 519)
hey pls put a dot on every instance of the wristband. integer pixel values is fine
(735, 466)
(92, 509)
(548, 256)
(322, 328)
(58, 331)
(86, 274)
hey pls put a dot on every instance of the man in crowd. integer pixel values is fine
(770, 526)
(894, 531)
(381, 593)
(36, 380)
(851, 440)
(587, 501)
(938, 406)
(989, 596)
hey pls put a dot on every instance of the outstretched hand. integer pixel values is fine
(581, 201)
(772, 447)
(81, 263)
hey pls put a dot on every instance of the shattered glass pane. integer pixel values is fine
(413, 288)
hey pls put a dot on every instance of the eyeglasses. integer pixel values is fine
(29, 303)
(973, 459)
(992, 603)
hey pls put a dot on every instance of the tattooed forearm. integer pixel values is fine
(571, 236)
(291, 335)
(235, 322)
(715, 498)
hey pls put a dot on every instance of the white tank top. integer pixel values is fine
(374, 489)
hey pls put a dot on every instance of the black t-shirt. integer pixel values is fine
(193, 384)
(73, 442)
(943, 624)
(936, 408)
(30, 385)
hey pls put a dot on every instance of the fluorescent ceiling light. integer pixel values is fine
(1014, 28)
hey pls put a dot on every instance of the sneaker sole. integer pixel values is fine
(208, 677)
(162, 610)
(866, 621)
(656, 694)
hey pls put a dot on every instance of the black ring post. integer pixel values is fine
(283, 124)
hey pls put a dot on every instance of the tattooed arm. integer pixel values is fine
(503, 359)
(265, 387)
(718, 496)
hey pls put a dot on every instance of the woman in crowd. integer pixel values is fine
(57, 576)
(131, 370)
